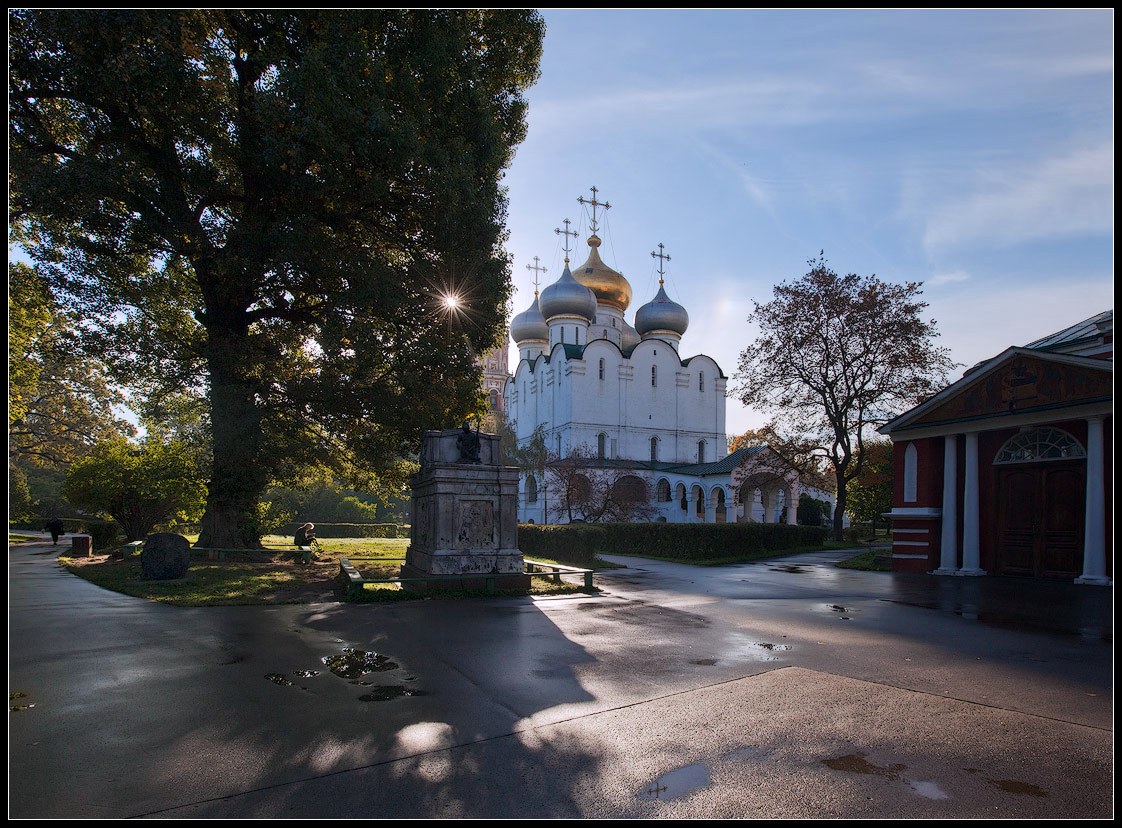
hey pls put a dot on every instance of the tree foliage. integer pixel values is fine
(141, 487)
(60, 401)
(869, 493)
(261, 208)
(836, 356)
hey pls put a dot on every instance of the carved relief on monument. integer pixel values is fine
(475, 524)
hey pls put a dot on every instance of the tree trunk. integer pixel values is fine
(839, 505)
(238, 473)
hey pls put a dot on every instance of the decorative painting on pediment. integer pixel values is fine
(1023, 384)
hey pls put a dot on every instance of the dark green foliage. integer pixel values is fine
(104, 534)
(572, 544)
(706, 541)
(579, 544)
(813, 512)
(261, 209)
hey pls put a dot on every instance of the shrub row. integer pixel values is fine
(103, 533)
(352, 530)
(571, 544)
(579, 544)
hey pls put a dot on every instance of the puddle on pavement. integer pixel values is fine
(705, 662)
(19, 706)
(928, 790)
(857, 763)
(795, 568)
(677, 783)
(385, 692)
(278, 678)
(352, 663)
(1017, 787)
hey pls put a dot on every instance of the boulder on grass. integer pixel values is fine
(166, 556)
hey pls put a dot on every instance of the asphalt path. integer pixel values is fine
(786, 688)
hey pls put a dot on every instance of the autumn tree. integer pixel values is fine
(587, 488)
(262, 209)
(869, 493)
(836, 356)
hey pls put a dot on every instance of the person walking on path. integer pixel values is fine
(55, 527)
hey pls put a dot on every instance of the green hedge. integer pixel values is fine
(352, 530)
(103, 533)
(579, 544)
(571, 544)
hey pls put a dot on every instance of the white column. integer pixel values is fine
(691, 506)
(971, 549)
(793, 504)
(948, 549)
(1094, 532)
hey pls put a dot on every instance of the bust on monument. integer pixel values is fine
(468, 444)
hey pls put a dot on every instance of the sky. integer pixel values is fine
(972, 151)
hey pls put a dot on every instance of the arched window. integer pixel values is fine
(700, 380)
(664, 491)
(654, 449)
(700, 451)
(654, 376)
(699, 501)
(601, 444)
(494, 395)
(601, 369)
(1038, 445)
(682, 497)
(531, 489)
(911, 473)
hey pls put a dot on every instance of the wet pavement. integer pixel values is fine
(780, 689)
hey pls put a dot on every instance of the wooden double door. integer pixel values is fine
(1040, 517)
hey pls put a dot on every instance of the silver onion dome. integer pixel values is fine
(661, 314)
(530, 324)
(568, 297)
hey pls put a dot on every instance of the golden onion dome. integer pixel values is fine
(609, 286)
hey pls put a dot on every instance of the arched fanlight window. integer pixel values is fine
(601, 444)
(1038, 445)
(654, 449)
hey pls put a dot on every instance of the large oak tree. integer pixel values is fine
(837, 356)
(262, 208)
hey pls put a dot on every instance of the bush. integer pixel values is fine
(104, 534)
(579, 544)
(573, 544)
(859, 532)
(706, 541)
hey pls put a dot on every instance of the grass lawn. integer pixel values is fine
(14, 537)
(271, 576)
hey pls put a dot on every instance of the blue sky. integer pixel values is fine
(969, 150)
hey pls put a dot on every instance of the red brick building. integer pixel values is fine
(1009, 470)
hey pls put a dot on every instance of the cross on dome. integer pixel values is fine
(593, 203)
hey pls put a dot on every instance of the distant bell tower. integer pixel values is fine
(496, 372)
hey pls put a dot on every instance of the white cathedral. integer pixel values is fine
(623, 395)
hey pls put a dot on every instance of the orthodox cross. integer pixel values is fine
(663, 258)
(534, 267)
(565, 237)
(593, 203)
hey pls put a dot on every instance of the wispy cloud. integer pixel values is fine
(1062, 197)
(948, 278)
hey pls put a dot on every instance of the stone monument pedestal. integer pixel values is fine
(464, 516)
